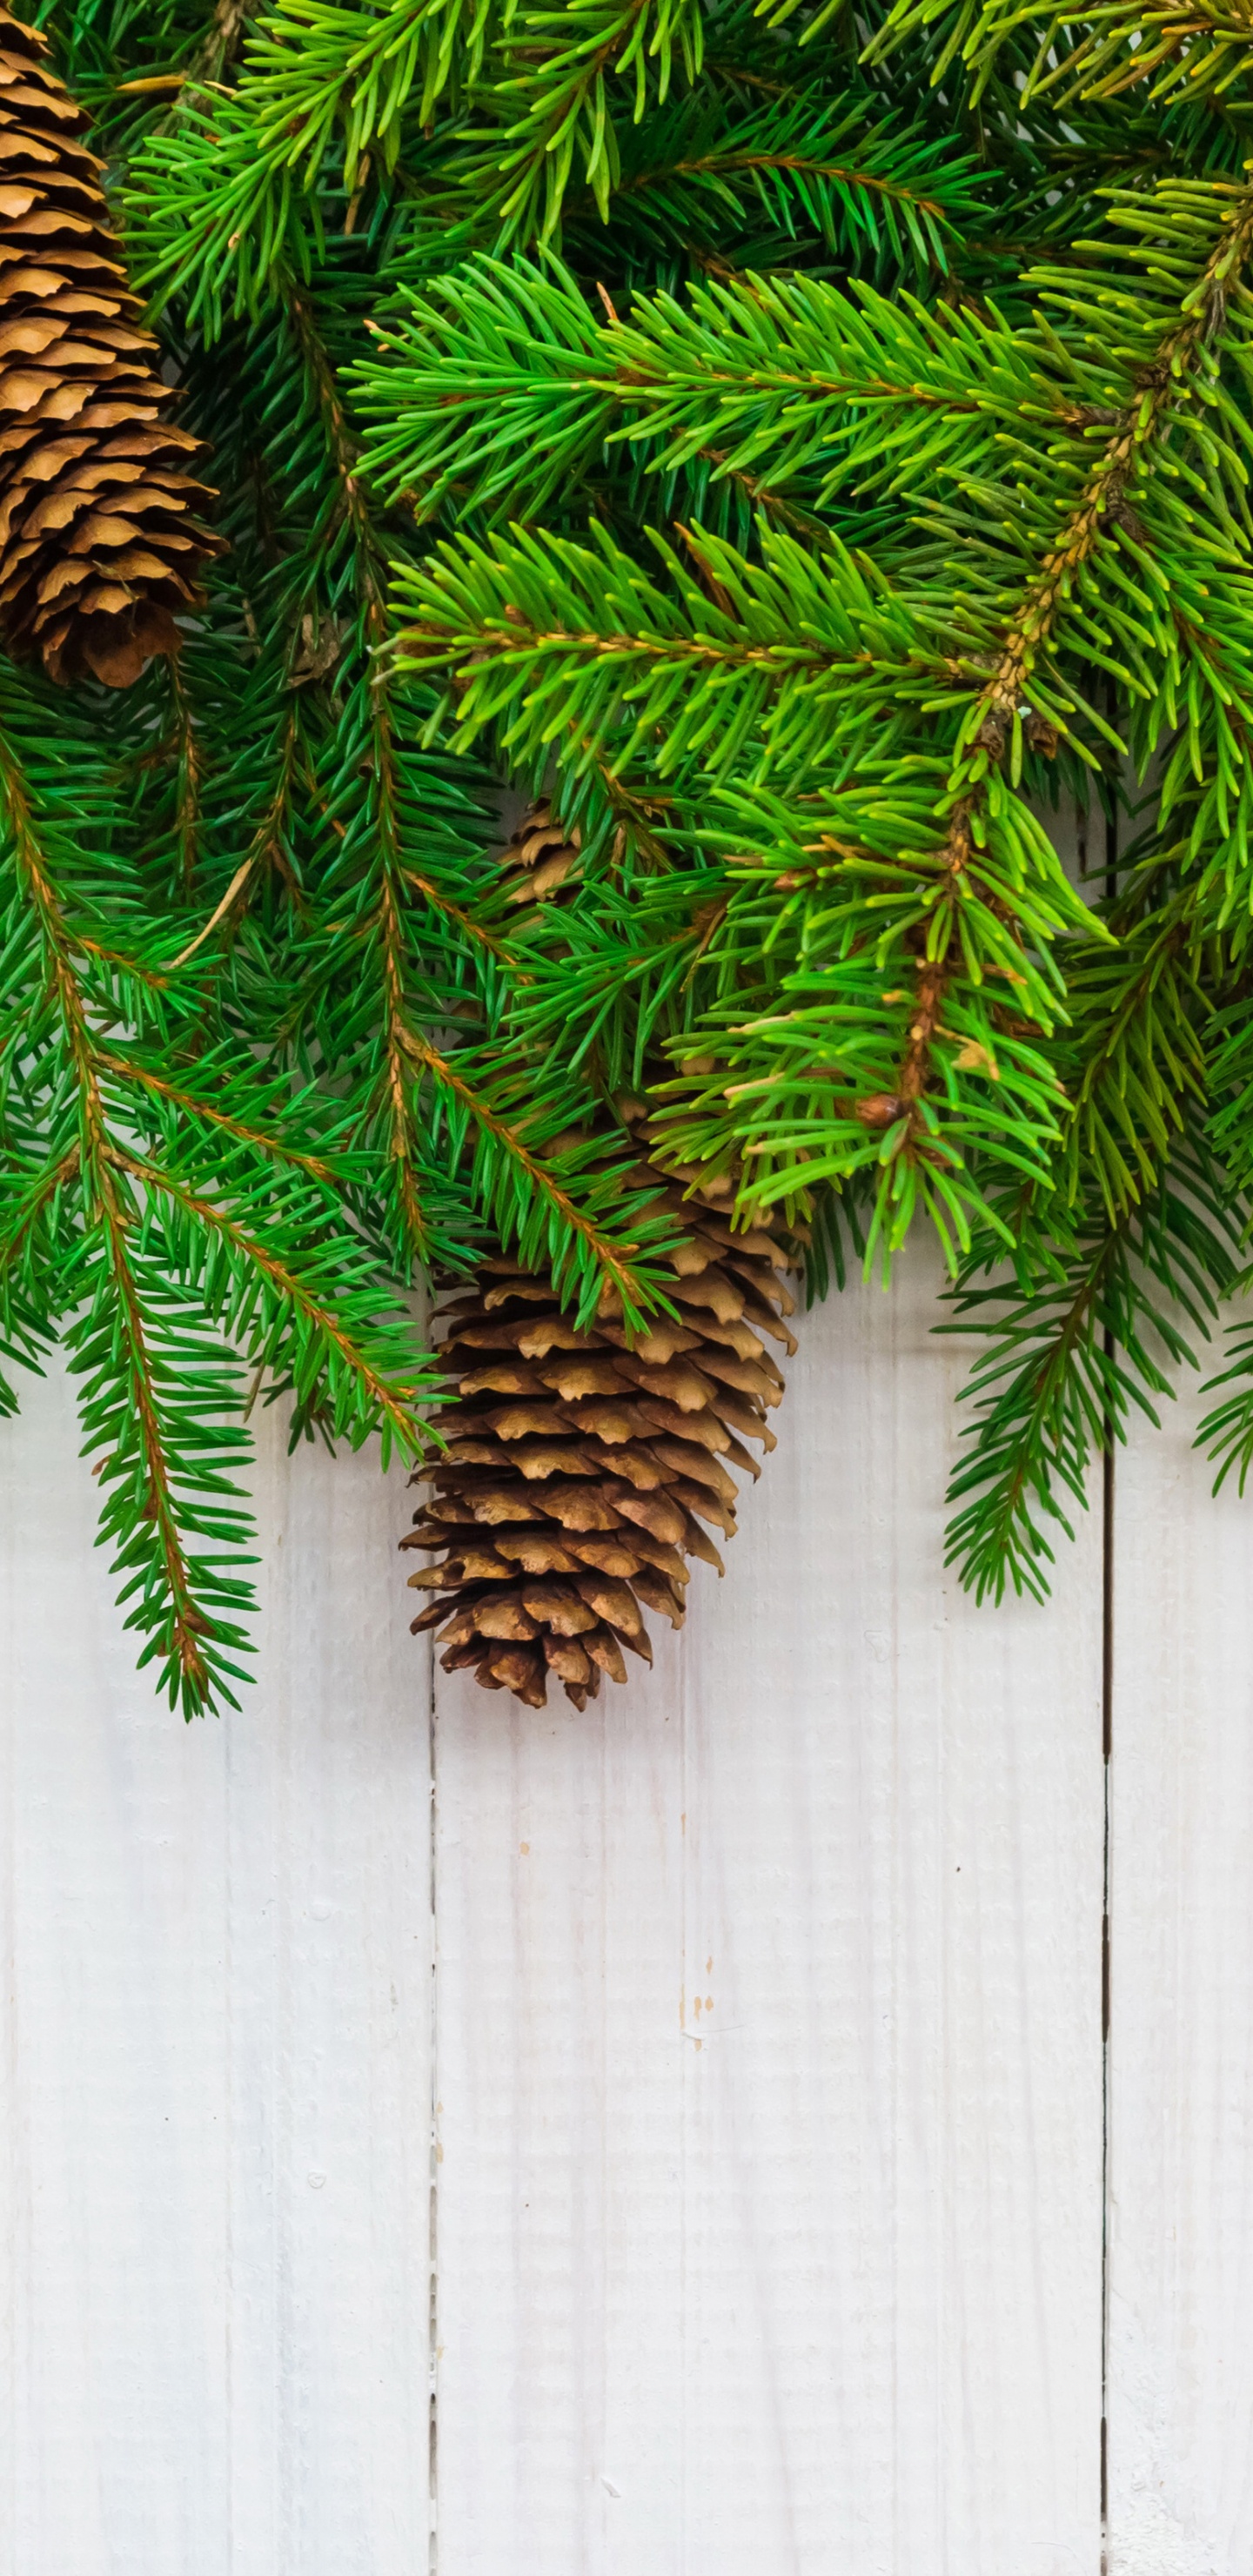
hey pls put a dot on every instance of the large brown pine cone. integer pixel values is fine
(580, 1468)
(99, 544)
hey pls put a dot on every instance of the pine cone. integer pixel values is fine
(580, 1468)
(98, 544)
(540, 859)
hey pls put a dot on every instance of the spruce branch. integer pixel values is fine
(556, 105)
(871, 186)
(223, 197)
(316, 74)
(1098, 1318)
(1199, 53)
(86, 1230)
(373, 882)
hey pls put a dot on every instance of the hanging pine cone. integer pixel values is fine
(580, 1468)
(98, 541)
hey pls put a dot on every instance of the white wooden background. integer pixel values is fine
(668, 2142)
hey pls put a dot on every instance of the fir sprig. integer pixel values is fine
(820, 503)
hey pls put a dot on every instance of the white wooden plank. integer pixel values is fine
(1181, 2052)
(769, 2064)
(217, 2001)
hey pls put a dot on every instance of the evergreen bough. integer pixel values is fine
(809, 449)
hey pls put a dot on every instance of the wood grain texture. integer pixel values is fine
(215, 2173)
(1181, 2050)
(769, 2065)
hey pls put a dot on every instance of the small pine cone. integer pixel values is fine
(580, 1467)
(98, 544)
(540, 858)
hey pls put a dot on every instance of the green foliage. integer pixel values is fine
(821, 469)
(168, 1203)
(1093, 1321)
